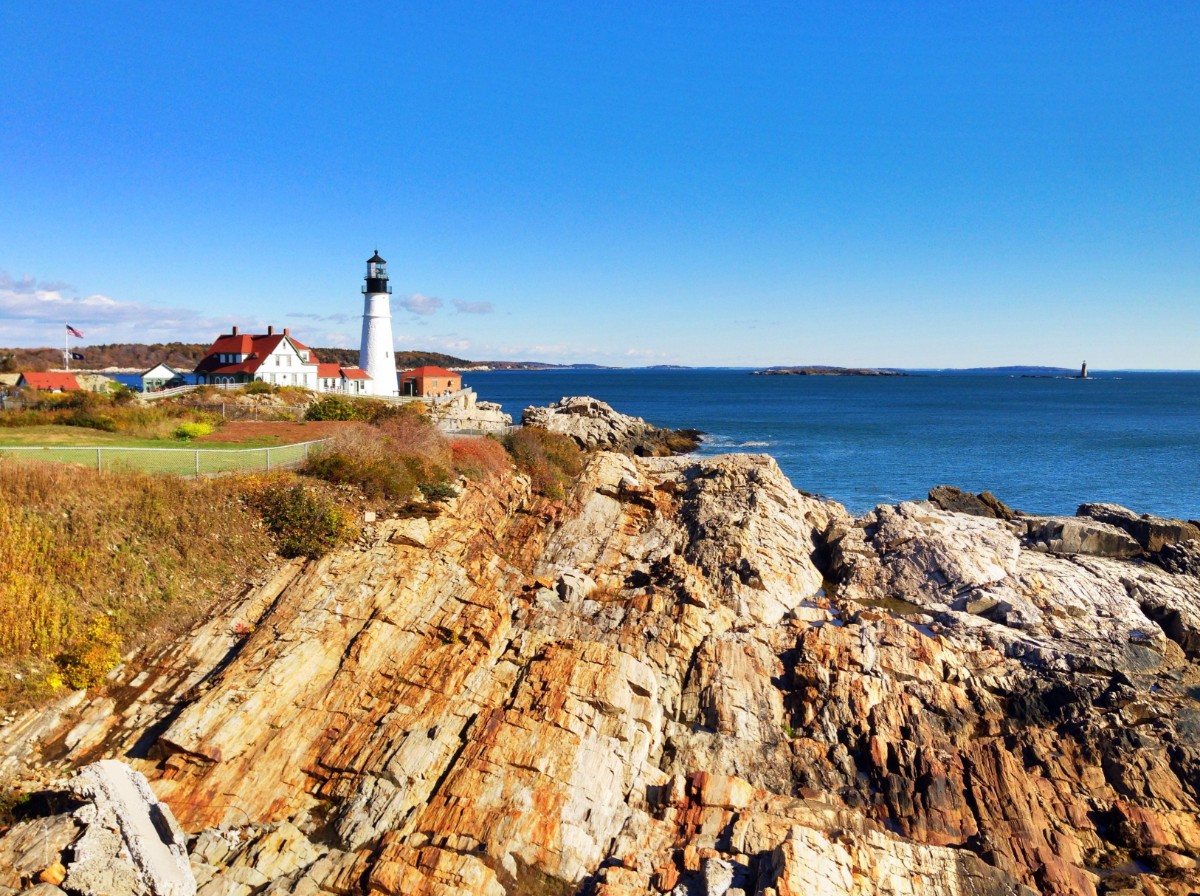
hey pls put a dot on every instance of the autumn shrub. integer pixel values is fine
(341, 407)
(478, 458)
(258, 387)
(358, 456)
(438, 491)
(188, 431)
(122, 394)
(388, 460)
(94, 654)
(550, 459)
(415, 436)
(91, 419)
(30, 417)
(378, 411)
(305, 522)
(332, 407)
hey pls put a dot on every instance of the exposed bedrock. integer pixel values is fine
(593, 423)
(687, 678)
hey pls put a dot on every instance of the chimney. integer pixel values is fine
(234, 331)
(270, 330)
(287, 332)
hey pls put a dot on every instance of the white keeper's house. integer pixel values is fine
(278, 359)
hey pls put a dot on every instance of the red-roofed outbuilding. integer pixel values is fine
(430, 381)
(49, 381)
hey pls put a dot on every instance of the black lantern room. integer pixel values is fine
(377, 278)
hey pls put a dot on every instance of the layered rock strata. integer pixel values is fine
(688, 678)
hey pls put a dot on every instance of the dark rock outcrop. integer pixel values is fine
(947, 497)
(1153, 533)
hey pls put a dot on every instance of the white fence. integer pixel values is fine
(177, 461)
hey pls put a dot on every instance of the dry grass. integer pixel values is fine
(552, 460)
(90, 410)
(92, 563)
(388, 460)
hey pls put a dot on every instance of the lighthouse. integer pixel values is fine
(375, 355)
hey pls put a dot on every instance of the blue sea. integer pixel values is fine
(1041, 445)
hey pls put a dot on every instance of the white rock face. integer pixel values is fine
(463, 411)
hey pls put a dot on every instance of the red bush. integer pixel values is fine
(478, 457)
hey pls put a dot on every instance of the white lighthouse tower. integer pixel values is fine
(375, 356)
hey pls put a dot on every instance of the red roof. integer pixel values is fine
(64, 381)
(255, 347)
(332, 369)
(430, 370)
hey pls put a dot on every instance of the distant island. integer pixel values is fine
(821, 370)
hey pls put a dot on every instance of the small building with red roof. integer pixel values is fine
(49, 381)
(430, 381)
(276, 358)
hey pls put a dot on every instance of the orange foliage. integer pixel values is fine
(478, 457)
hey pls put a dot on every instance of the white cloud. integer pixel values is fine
(472, 307)
(33, 313)
(419, 303)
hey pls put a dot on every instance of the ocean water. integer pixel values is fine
(1041, 445)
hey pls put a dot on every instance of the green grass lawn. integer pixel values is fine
(76, 445)
(79, 436)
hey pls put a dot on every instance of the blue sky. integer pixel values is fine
(622, 183)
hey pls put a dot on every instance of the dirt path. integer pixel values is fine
(274, 433)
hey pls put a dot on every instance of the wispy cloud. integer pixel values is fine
(442, 342)
(472, 307)
(322, 318)
(33, 312)
(419, 303)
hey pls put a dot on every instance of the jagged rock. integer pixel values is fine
(594, 424)
(814, 863)
(131, 842)
(113, 837)
(1179, 558)
(947, 497)
(1153, 533)
(741, 687)
(590, 422)
(462, 411)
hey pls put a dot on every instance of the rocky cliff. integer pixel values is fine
(687, 678)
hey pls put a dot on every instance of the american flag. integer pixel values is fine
(74, 332)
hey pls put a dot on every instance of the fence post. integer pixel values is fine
(197, 463)
(222, 410)
(268, 460)
(98, 464)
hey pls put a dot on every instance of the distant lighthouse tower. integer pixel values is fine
(375, 356)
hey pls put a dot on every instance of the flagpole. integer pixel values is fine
(67, 346)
